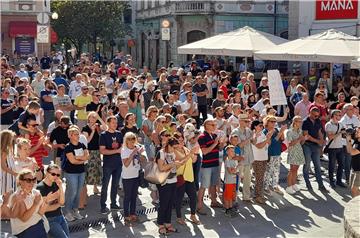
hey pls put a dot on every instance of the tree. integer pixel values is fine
(80, 22)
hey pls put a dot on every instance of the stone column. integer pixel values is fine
(352, 218)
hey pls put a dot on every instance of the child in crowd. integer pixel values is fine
(231, 171)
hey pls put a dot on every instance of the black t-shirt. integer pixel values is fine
(120, 121)
(94, 143)
(23, 119)
(76, 150)
(111, 141)
(355, 159)
(60, 135)
(92, 107)
(133, 129)
(7, 117)
(17, 112)
(199, 88)
(45, 190)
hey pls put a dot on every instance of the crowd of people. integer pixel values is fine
(99, 124)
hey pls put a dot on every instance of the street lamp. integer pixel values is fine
(54, 16)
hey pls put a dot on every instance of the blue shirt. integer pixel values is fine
(61, 80)
(274, 148)
(182, 97)
(312, 128)
(47, 105)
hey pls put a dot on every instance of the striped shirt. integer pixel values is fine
(212, 158)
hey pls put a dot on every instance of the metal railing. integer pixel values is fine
(192, 7)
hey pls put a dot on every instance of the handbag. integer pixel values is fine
(326, 148)
(143, 183)
(153, 174)
(180, 178)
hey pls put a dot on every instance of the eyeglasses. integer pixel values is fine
(132, 138)
(29, 180)
(166, 135)
(54, 174)
(97, 96)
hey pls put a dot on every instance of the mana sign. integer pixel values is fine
(336, 9)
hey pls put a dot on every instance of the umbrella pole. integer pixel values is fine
(245, 63)
(331, 77)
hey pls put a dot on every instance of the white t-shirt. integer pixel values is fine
(109, 84)
(75, 89)
(185, 106)
(169, 158)
(132, 171)
(233, 121)
(260, 154)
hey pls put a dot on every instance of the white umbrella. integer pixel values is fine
(330, 46)
(241, 42)
(355, 64)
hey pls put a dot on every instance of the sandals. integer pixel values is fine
(201, 212)
(163, 231)
(134, 218)
(194, 221)
(171, 229)
(128, 222)
(181, 221)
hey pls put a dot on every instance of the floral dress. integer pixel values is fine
(295, 152)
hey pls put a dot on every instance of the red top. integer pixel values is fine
(40, 153)
(225, 90)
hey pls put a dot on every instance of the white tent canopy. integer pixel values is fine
(241, 42)
(330, 46)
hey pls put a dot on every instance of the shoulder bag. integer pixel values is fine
(326, 148)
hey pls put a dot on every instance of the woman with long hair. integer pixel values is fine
(130, 124)
(185, 175)
(164, 85)
(135, 105)
(246, 92)
(131, 154)
(157, 100)
(7, 172)
(295, 156)
(167, 162)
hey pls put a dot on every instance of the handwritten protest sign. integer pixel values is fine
(276, 89)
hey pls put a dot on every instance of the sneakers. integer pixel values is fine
(104, 210)
(296, 188)
(290, 190)
(69, 217)
(115, 207)
(323, 189)
(341, 184)
(76, 214)
(230, 213)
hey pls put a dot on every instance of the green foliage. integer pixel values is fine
(86, 21)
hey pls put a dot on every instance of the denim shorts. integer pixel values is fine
(209, 176)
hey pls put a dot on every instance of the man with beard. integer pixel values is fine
(47, 102)
(59, 137)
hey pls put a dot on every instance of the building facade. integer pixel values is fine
(195, 20)
(311, 17)
(19, 27)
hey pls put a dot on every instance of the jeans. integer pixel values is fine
(48, 117)
(166, 197)
(115, 173)
(37, 230)
(58, 227)
(196, 170)
(312, 153)
(203, 111)
(189, 188)
(347, 164)
(336, 155)
(74, 184)
(131, 187)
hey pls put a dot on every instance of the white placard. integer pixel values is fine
(276, 88)
(165, 33)
(42, 35)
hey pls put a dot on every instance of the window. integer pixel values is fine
(128, 16)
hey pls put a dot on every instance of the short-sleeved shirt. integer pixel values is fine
(132, 171)
(211, 159)
(199, 88)
(47, 105)
(23, 119)
(150, 125)
(59, 135)
(312, 128)
(275, 146)
(7, 117)
(62, 101)
(82, 101)
(246, 151)
(260, 154)
(76, 150)
(94, 143)
(331, 127)
(45, 190)
(111, 141)
(169, 158)
(229, 177)
(92, 107)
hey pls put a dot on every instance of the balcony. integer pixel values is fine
(192, 7)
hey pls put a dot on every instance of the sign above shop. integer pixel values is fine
(336, 9)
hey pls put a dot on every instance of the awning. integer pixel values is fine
(53, 36)
(22, 28)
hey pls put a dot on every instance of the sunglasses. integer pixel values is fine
(29, 180)
(54, 174)
(272, 121)
(33, 125)
(166, 135)
(97, 96)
